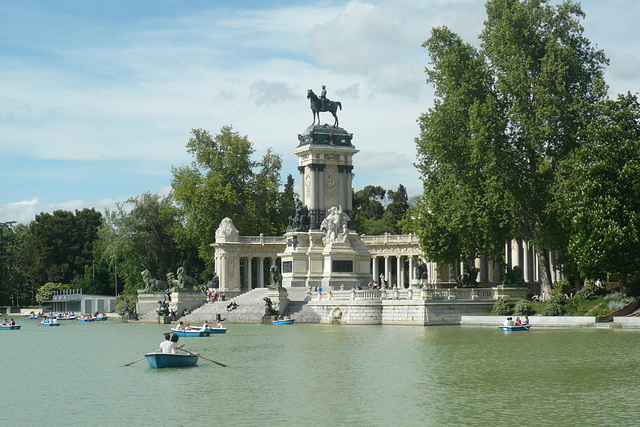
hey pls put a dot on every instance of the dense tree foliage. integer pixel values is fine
(221, 182)
(504, 117)
(141, 234)
(598, 193)
(379, 211)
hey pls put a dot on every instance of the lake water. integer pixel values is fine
(321, 375)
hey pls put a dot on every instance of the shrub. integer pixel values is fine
(562, 287)
(555, 306)
(522, 308)
(588, 291)
(503, 307)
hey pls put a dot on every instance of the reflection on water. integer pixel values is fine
(321, 375)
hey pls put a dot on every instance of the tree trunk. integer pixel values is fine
(545, 270)
(623, 284)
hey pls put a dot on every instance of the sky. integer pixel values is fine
(98, 98)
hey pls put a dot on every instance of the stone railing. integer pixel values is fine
(384, 239)
(262, 240)
(462, 294)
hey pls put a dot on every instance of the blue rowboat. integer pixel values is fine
(101, 318)
(283, 322)
(218, 330)
(87, 319)
(48, 322)
(191, 333)
(170, 360)
(515, 328)
(9, 327)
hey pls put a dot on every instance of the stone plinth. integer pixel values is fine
(148, 302)
(278, 297)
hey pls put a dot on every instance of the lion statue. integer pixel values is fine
(185, 280)
(173, 283)
(151, 284)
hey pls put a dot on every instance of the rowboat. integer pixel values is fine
(283, 322)
(191, 332)
(171, 360)
(50, 322)
(67, 317)
(87, 319)
(101, 318)
(515, 328)
(218, 330)
(9, 327)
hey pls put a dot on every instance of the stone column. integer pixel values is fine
(526, 263)
(515, 252)
(301, 170)
(349, 189)
(374, 269)
(260, 275)
(247, 274)
(342, 201)
(387, 269)
(481, 265)
(411, 269)
(313, 197)
(321, 185)
(400, 270)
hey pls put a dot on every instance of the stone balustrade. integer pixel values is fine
(425, 293)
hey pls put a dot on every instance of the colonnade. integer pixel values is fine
(261, 281)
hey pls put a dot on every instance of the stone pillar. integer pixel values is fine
(374, 269)
(313, 196)
(507, 253)
(411, 269)
(260, 275)
(342, 201)
(526, 262)
(400, 270)
(515, 253)
(301, 170)
(247, 274)
(481, 265)
(348, 182)
(387, 269)
(321, 200)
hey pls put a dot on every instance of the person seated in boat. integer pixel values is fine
(188, 328)
(518, 321)
(4, 323)
(174, 341)
(180, 327)
(526, 320)
(285, 317)
(166, 345)
(219, 325)
(205, 326)
(13, 322)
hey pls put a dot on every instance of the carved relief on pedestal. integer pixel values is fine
(307, 186)
(331, 186)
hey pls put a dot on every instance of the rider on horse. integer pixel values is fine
(323, 95)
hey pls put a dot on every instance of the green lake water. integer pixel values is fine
(321, 375)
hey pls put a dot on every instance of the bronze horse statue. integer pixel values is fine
(316, 107)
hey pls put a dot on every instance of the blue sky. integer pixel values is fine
(98, 99)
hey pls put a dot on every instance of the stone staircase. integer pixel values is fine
(251, 307)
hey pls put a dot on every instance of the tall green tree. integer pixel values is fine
(505, 115)
(221, 182)
(396, 210)
(368, 209)
(598, 193)
(142, 234)
(60, 245)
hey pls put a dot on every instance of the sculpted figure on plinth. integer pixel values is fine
(336, 226)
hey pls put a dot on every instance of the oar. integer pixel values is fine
(210, 360)
(131, 363)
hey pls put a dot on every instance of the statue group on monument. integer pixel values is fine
(180, 281)
(336, 226)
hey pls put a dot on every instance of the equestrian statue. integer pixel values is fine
(321, 103)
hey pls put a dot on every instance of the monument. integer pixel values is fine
(322, 249)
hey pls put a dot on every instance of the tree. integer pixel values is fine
(504, 117)
(142, 234)
(368, 210)
(58, 246)
(598, 193)
(221, 182)
(397, 209)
